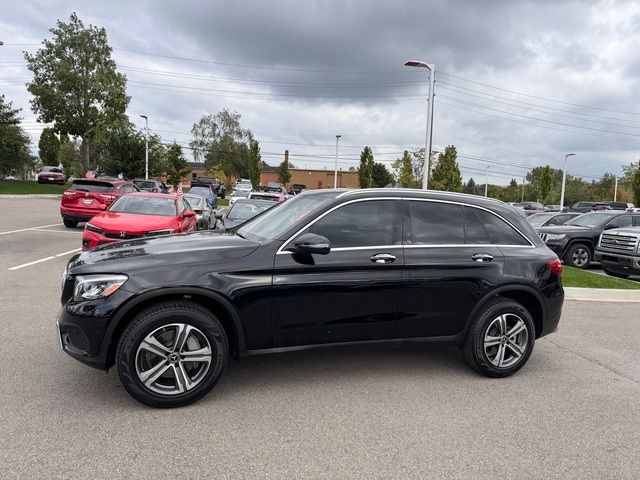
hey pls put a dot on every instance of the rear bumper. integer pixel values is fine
(553, 301)
(80, 214)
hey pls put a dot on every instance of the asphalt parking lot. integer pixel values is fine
(393, 411)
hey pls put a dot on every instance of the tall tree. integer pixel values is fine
(446, 173)
(123, 151)
(176, 165)
(284, 175)
(69, 158)
(255, 162)
(365, 170)
(635, 186)
(404, 171)
(14, 142)
(546, 183)
(470, 187)
(75, 81)
(48, 147)
(380, 176)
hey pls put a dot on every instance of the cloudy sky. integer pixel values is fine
(518, 83)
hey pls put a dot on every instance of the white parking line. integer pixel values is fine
(30, 228)
(53, 257)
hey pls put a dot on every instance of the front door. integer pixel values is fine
(350, 294)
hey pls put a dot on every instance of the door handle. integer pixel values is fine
(482, 257)
(383, 258)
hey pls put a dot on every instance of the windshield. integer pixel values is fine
(590, 220)
(241, 193)
(198, 203)
(200, 191)
(143, 205)
(145, 184)
(244, 211)
(539, 219)
(276, 221)
(52, 169)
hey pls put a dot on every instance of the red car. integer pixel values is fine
(88, 197)
(139, 215)
(51, 175)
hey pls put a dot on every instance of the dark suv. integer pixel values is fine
(326, 267)
(575, 241)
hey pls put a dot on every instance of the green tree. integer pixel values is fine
(635, 186)
(14, 142)
(255, 162)
(284, 175)
(446, 172)
(176, 165)
(546, 183)
(48, 147)
(75, 81)
(470, 187)
(380, 176)
(69, 158)
(222, 143)
(365, 170)
(404, 171)
(606, 186)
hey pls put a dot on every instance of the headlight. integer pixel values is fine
(555, 236)
(93, 228)
(92, 287)
(167, 231)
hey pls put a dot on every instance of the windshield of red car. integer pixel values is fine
(143, 205)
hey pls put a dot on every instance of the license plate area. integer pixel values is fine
(87, 201)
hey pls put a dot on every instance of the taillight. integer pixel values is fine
(107, 198)
(556, 267)
(69, 193)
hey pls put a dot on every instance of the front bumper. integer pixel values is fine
(622, 264)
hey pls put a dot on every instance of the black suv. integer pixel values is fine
(575, 241)
(326, 267)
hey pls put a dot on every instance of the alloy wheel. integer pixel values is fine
(580, 257)
(505, 340)
(173, 359)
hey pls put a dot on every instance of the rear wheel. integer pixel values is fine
(69, 222)
(500, 340)
(578, 256)
(171, 354)
(615, 274)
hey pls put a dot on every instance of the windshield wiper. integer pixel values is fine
(239, 234)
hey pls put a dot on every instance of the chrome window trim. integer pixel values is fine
(416, 190)
(281, 250)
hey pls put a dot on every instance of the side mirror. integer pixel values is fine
(310, 243)
(188, 213)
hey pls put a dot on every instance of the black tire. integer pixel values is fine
(473, 348)
(575, 256)
(154, 318)
(69, 222)
(615, 274)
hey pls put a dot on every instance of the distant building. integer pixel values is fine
(313, 179)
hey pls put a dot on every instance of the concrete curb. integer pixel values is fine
(601, 295)
(35, 195)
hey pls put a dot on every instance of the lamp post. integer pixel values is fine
(427, 147)
(486, 181)
(146, 147)
(335, 170)
(564, 179)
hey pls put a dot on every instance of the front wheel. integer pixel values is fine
(172, 354)
(578, 256)
(500, 340)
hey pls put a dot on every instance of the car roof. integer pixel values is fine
(111, 180)
(253, 201)
(174, 196)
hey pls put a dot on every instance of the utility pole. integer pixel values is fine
(522, 196)
(564, 180)
(486, 181)
(146, 147)
(335, 170)
(615, 191)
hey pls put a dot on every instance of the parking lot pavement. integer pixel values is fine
(395, 411)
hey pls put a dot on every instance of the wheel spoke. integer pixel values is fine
(499, 359)
(182, 333)
(515, 348)
(151, 344)
(202, 355)
(502, 324)
(491, 341)
(183, 382)
(519, 327)
(149, 377)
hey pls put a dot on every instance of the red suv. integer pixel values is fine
(87, 197)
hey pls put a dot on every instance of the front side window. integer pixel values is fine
(623, 221)
(360, 224)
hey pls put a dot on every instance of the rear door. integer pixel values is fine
(450, 262)
(351, 294)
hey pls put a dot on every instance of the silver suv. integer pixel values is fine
(619, 251)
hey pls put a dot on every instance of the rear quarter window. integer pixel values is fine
(499, 231)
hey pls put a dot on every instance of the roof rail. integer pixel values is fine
(415, 190)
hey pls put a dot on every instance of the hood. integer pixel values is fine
(565, 229)
(147, 253)
(634, 231)
(133, 224)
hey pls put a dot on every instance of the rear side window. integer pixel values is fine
(434, 223)
(89, 186)
(360, 224)
(500, 232)
(474, 232)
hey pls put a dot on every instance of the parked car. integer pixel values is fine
(532, 207)
(618, 251)
(552, 218)
(326, 267)
(600, 206)
(153, 186)
(620, 205)
(270, 196)
(582, 207)
(297, 188)
(575, 241)
(51, 175)
(553, 208)
(241, 191)
(214, 183)
(86, 198)
(139, 215)
(241, 211)
(205, 215)
(207, 193)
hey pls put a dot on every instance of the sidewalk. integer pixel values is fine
(601, 295)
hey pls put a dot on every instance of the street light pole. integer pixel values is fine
(486, 181)
(335, 170)
(146, 147)
(615, 191)
(427, 147)
(522, 196)
(564, 180)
